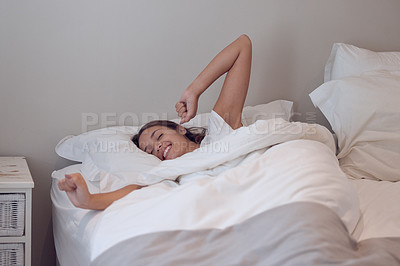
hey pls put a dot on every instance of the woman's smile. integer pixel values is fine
(166, 150)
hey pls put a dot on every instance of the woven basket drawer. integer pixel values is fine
(12, 254)
(12, 207)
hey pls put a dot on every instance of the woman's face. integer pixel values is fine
(166, 143)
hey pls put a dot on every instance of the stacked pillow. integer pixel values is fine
(348, 60)
(361, 100)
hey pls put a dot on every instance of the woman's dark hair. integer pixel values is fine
(195, 134)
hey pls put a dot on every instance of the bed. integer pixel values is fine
(274, 193)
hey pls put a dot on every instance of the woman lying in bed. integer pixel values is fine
(168, 140)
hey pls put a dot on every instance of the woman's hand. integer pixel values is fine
(75, 187)
(187, 105)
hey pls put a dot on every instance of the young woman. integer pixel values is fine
(168, 140)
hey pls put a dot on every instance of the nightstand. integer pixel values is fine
(15, 211)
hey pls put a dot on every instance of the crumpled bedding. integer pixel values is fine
(295, 171)
(269, 164)
(243, 144)
(285, 235)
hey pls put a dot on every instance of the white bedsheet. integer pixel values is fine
(380, 211)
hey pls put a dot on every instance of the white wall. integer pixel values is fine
(62, 59)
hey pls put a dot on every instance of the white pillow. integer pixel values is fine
(276, 109)
(348, 60)
(364, 112)
(116, 139)
(75, 148)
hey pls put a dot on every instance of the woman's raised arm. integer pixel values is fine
(234, 59)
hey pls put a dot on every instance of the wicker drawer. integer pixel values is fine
(16, 186)
(11, 254)
(12, 214)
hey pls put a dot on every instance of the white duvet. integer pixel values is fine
(301, 170)
(228, 188)
(115, 170)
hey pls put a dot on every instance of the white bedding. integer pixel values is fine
(303, 168)
(300, 170)
(209, 160)
(73, 228)
(379, 205)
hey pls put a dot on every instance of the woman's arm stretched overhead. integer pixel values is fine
(234, 59)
